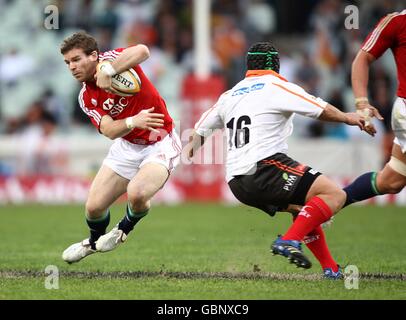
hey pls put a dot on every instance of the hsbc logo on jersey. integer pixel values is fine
(108, 104)
(115, 109)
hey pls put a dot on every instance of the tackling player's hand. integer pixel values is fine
(146, 120)
(355, 119)
(368, 112)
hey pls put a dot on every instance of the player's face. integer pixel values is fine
(81, 65)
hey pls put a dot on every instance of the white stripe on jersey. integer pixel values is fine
(114, 52)
(110, 54)
(92, 113)
(104, 58)
(377, 31)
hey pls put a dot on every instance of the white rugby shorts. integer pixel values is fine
(126, 158)
(399, 123)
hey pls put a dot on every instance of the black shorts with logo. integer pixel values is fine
(277, 182)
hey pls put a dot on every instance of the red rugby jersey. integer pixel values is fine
(390, 32)
(96, 103)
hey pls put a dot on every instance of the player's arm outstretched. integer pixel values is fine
(144, 120)
(332, 114)
(359, 80)
(130, 57)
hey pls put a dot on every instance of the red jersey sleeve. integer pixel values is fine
(93, 112)
(382, 37)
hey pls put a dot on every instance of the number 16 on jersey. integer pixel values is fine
(239, 134)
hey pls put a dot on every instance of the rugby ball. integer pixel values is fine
(126, 83)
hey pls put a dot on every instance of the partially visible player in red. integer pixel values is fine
(146, 147)
(390, 33)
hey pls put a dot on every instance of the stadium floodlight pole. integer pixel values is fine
(1, 90)
(201, 18)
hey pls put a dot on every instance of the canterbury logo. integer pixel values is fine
(309, 239)
(304, 213)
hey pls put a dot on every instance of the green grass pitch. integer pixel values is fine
(198, 251)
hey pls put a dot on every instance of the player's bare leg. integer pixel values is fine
(106, 187)
(392, 178)
(328, 191)
(146, 183)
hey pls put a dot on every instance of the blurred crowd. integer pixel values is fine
(316, 52)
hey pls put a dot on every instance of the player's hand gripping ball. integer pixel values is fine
(126, 83)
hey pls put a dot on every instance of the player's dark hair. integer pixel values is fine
(263, 56)
(80, 40)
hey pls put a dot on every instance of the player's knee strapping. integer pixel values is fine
(397, 165)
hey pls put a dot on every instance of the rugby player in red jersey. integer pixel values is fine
(389, 33)
(146, 147)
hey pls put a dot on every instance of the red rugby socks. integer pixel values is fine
(312, 215)
(316, 242)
